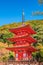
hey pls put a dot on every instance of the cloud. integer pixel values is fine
(37, 13)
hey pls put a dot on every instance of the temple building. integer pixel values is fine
(23, 40)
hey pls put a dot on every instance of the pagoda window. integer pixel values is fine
(24, 55)
(16, 55)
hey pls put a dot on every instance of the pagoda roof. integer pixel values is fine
(22, 39)
(22, 30)
(28, 49)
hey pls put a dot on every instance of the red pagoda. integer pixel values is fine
(23, 40)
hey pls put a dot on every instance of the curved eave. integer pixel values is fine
(28, 49)
(27, 29)
(22, 39)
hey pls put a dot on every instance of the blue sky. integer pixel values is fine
(11, 10)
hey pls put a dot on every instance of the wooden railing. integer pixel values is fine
(12, 62)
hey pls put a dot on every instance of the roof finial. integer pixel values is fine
(22, 16)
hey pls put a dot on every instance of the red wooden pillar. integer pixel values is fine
(20, 55)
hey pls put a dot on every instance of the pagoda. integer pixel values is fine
(23, 42)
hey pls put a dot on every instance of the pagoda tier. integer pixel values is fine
(23, 30)
(23, 39)
(22, 53)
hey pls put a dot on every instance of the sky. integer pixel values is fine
(11, 10)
